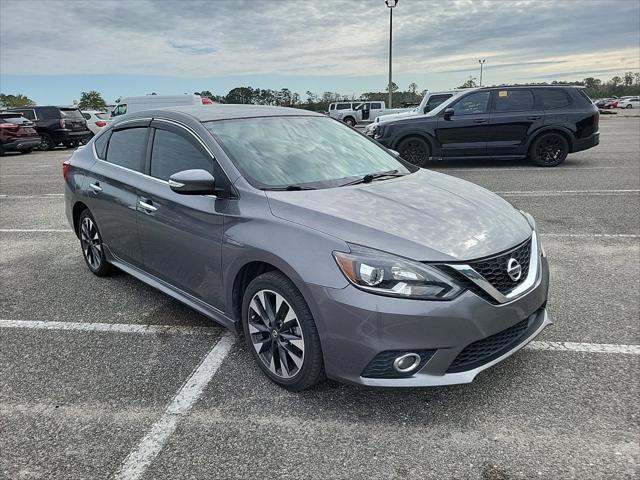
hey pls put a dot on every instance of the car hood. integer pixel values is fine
(425, 216)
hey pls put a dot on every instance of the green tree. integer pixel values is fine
(394, 87)
(628, 79)
(470, 83)
(15, 101)
(92, 100)
(615, 81)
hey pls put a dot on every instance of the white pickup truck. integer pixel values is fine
(362, 112)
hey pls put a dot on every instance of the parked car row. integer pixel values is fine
(544, 124)
(622, 102)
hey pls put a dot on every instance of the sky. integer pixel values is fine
(53, 50)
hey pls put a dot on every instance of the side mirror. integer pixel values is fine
(448, 113)
(393, 152)
(193, 182)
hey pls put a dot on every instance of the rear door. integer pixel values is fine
(464, 134)
(112, 193)
(514, 118)
(181, 235)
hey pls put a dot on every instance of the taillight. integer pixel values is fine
(66, 166)
(101, 123)
(9, 125)
(206, 101)
(62, 123)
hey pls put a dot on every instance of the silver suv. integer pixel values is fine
(331, 255)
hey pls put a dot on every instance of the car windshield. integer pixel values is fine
(318, 152)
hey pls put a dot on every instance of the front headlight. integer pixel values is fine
(385, 274)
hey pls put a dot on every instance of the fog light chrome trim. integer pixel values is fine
(413, 366)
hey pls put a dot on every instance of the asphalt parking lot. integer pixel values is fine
(108, 378)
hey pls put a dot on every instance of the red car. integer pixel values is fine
(613, 103)
(17, 134)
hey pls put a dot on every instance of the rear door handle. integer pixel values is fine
(147, 206)
(480, 120)
(95, 187)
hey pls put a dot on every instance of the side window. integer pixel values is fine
(101, 145)
(549, 99)
(173, 153)
(343, 106)
(87, 116)
(332, 106)
(29, 114)
(472, 104)
(375, 106)
(49, 113)
(120, 110)
(434, 101)
(513, 100)
(127, 148)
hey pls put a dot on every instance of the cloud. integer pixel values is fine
(315, 38)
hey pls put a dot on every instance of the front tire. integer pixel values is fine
(281, 333)
(92, 246)
(629, 106)
(549, 150)
(415, 150)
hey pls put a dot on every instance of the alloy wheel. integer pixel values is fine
(413, 151)
(45, 143)
(550, 149)
(276, 333)
(91, 243)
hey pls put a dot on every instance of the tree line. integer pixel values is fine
(628, 84)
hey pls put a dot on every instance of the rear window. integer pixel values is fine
(513, 100)
(102, 116)
(127, 148)
(11, 118)
(72, 113)
(549, 99)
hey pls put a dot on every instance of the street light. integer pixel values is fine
(390, 5)
(481, 62)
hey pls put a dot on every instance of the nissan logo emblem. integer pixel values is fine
(514, 270)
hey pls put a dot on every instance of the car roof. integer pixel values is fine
(206, 113)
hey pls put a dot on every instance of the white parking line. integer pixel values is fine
(44, 195)
(35, 230)
(139, 459)
(557, 193)
(591, 235)
(109, 327)
(584, 347)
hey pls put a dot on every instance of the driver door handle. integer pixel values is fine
(535, 117)
(95, 187)
(480, 120)
(147, 207)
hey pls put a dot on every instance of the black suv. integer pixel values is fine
(539, 122)
(57, 125)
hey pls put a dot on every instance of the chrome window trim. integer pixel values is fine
(529, 283)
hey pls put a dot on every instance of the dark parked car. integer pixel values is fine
(57, 125)
(17, 134)
(542, 123)
(329, 253)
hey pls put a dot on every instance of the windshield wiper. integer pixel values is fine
(370, 177)
(289, 188)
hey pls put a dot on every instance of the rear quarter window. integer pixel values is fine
(376, 106)
(550, 99)
(100, 145)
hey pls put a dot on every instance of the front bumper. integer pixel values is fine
(356, 326)
(586, 143)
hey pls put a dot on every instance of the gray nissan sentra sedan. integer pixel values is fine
(331, 255)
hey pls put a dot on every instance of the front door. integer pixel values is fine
(181, 235)
(513, 119)
(464, 134)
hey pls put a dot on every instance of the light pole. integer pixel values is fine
(390, 5)
(481, 62)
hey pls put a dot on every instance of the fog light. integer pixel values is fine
(407, 362)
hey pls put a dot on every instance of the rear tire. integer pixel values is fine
(92, 246)
(46, 142)
(281, 333)
(415, 150)
(549, 150)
